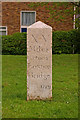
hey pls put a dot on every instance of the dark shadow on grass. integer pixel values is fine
(40, 119)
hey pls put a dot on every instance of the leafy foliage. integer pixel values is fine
(62, 42)
(66, 42)
(14, 44)
(57, 10)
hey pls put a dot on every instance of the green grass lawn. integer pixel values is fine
(64, 103)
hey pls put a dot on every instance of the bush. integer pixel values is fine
(62, 42)
(66, 41)
(14, 44)
(77, 41)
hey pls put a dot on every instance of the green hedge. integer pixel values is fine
(14, 44)
(62, 42)
(66, 41)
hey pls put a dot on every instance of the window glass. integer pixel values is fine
(3, 28)
(23, 29)
(2, 32)
(28, 18)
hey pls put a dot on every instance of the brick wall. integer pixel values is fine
(0, 13)
(11, 16)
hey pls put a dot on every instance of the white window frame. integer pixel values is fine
(4, 29)
(23, 26)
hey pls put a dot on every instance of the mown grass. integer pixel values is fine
(64, 103)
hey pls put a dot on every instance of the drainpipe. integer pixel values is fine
(74, 18)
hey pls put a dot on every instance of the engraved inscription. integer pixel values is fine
(46, 86)
(39, 66)
(44, 38)
(41, 75)
(34, 38)
(38, 49)
(40, 58)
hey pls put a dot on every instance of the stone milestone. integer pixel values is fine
(39, 61)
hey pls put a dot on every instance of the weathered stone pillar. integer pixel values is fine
(39, 61)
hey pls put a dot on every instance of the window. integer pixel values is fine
(23, 28)
(27, 19)
(3, 30)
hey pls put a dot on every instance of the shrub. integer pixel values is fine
(62, 42)
(14, 44)
(66, 41)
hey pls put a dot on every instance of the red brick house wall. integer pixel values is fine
(11, 16)
(0, 13)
